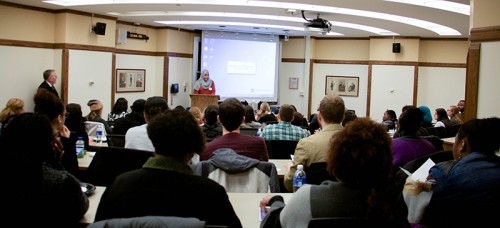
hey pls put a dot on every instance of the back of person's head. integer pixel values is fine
(154, 106)
(179, 107)
(29, 137)
(95, 109)
(175, 133)
(48, 104)
(196, 112)
(265, 107)
(410, 121)
(332, 109)
(210, 114)
(47, 73)
(454, 110)
(138, 106)
(298, 119)
(441, 113)
(427, 113)
(392, 114)
(249, 114)
(231, 113)
(74, 115)
(481, 134)
(360, 155)
(286, 113)
(406, 107)
(14, 106)
(348, 117)
(120, 106)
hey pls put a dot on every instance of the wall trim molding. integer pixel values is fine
(491, 33)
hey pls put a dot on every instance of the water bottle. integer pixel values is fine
(98, 134)
(259, 132)
(80, 144)
(299, 178)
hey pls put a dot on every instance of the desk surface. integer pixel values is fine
(246, 206)
(449, 140)
(83, 163)
(94, 200)
(282, 166)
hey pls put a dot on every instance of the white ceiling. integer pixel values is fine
(455, 21)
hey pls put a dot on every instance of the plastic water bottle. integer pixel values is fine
(259, 132)
(299, 178)
(80, 144)
(98, 134)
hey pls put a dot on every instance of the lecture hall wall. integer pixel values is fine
(427, 71)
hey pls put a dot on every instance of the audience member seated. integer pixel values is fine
(119, 110)
(313, 148)
(75, 122)
(95, 115)
(13, 108)
(299, 120)
(133, 119)
(264, 114)
(37, 191)
(238, 173)
(461, 107)
(211, 128)
(409, 146)
(454, 115)
(48, 104)
(196, 112)
(137, 137)
(166, 185)
(231, 116)
(348, 117)
(360, 158)
(421, 130)
(427, 122)
(389, 119)
(284, 130)
(471, 182)
(314, 124)
(250, 118)
(442, 119)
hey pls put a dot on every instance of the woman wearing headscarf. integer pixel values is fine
(204, 85)
(427, 116)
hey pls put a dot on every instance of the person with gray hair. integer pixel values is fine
(314, 148)
(49, 80)
(204, 85)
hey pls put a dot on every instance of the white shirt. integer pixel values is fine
(137, 138)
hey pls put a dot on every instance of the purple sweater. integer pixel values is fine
(405, 150)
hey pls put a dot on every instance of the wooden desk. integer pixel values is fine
(282, 166)
(246, 206)
(95, 144)
(83, 163)
(448, 143)
(94, 200)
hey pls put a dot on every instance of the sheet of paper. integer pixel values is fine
(292, 156)
(423, 171)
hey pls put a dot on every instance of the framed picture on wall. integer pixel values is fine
(342, 86)
(130, 80)
(293, 83)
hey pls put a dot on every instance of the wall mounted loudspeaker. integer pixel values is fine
(174, 88)
(99, 28)
(396, 47)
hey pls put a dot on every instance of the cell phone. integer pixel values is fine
(263, 212)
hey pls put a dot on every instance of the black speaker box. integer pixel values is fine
(100, 28)
(396, 47)
(174, 88)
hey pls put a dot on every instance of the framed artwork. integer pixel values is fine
(293, 83)
(342, 86)
(130, 80)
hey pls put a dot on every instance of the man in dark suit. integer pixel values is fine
(50, 78)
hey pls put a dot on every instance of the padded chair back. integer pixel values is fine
(249, 131)
(436, 141)
(116, 140)
(316, 173)
(437, 131)
(110, 162)
(281, 149)
(454, 130)
(337, 222)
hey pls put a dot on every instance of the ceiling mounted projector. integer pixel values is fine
(319, 23)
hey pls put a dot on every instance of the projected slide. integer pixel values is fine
(241, 68)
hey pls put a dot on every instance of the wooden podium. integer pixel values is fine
(202, 100)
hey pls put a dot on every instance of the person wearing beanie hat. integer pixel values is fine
(137, 137)
(95, 114)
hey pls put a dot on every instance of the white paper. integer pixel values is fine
(422, 172)
(292, 156)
